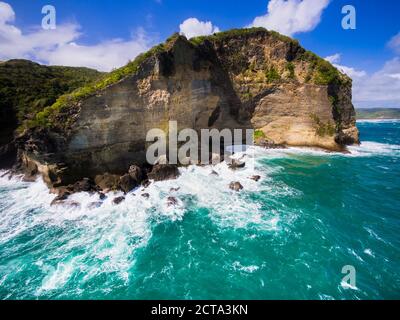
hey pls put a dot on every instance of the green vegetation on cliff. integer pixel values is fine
(321, 72)
(27, 87)
(322, 129)
(43, 118)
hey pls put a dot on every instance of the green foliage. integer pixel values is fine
(321, 71)
(290, 67)
(26, 88)
(259, 134)
(322, 129)
(272, 75)
(220, 36)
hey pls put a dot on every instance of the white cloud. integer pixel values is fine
(394, 43)
(292, 16)
(379, 89)
(60, 46)
(335, 58)
(351, 72)
(192, 27)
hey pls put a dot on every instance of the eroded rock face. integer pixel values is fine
(257, 80)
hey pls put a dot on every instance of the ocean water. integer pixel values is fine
(287, 236)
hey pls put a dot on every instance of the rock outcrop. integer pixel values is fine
(250, 78)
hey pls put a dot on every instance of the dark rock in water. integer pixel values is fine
(95, 204)
(269, 144)
(30, 170)
(146, 183)
(71, 204)
(235, 164)
(127, 183)
(118, 200)
(5, 173)
(174, 189)
(255, 178)
(107, 181)
(145, 195)
(162, 172)
(102, 196)
(85, 185)
(63, 195)
(214, 173)
(136, 173)
(172, 201)
(235, 186)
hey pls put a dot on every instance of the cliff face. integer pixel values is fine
(247, 78)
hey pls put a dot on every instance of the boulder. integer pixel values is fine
(107, 181)
(162, 172)
(118, 200)
(236, 186)
(135, 172)
(63, 195)
(236, 164)
(145, 195)
(95, 204)
(84, 185)
(172, 201)
(127, 183)
(255, 178)
(102, 196)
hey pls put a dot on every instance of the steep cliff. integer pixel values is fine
(249, 78)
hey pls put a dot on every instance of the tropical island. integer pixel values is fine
(83, 130)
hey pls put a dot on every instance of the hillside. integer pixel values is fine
(26, 88)
(378, 113)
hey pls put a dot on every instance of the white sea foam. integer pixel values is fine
(378, 120)
(106, 236)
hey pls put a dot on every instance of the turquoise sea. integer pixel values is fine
(286, 236)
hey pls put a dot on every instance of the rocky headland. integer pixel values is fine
(94, 138)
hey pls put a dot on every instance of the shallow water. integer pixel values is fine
(287, 236)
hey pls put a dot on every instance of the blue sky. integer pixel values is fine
(129, 27)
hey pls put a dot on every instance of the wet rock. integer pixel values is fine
(84, 185)
(236, 164)
(214, 173)
(146, 183)
(145, 195)
(127, 183)
(162, 172)
(236, 186)
(118, 200)
(63, 195)
(107, 181)
(102, 196)
(255, 178)
(135, 172)
(64, 203)
(269, 144)
(172, 201)
(174, 189)
(95, 204)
